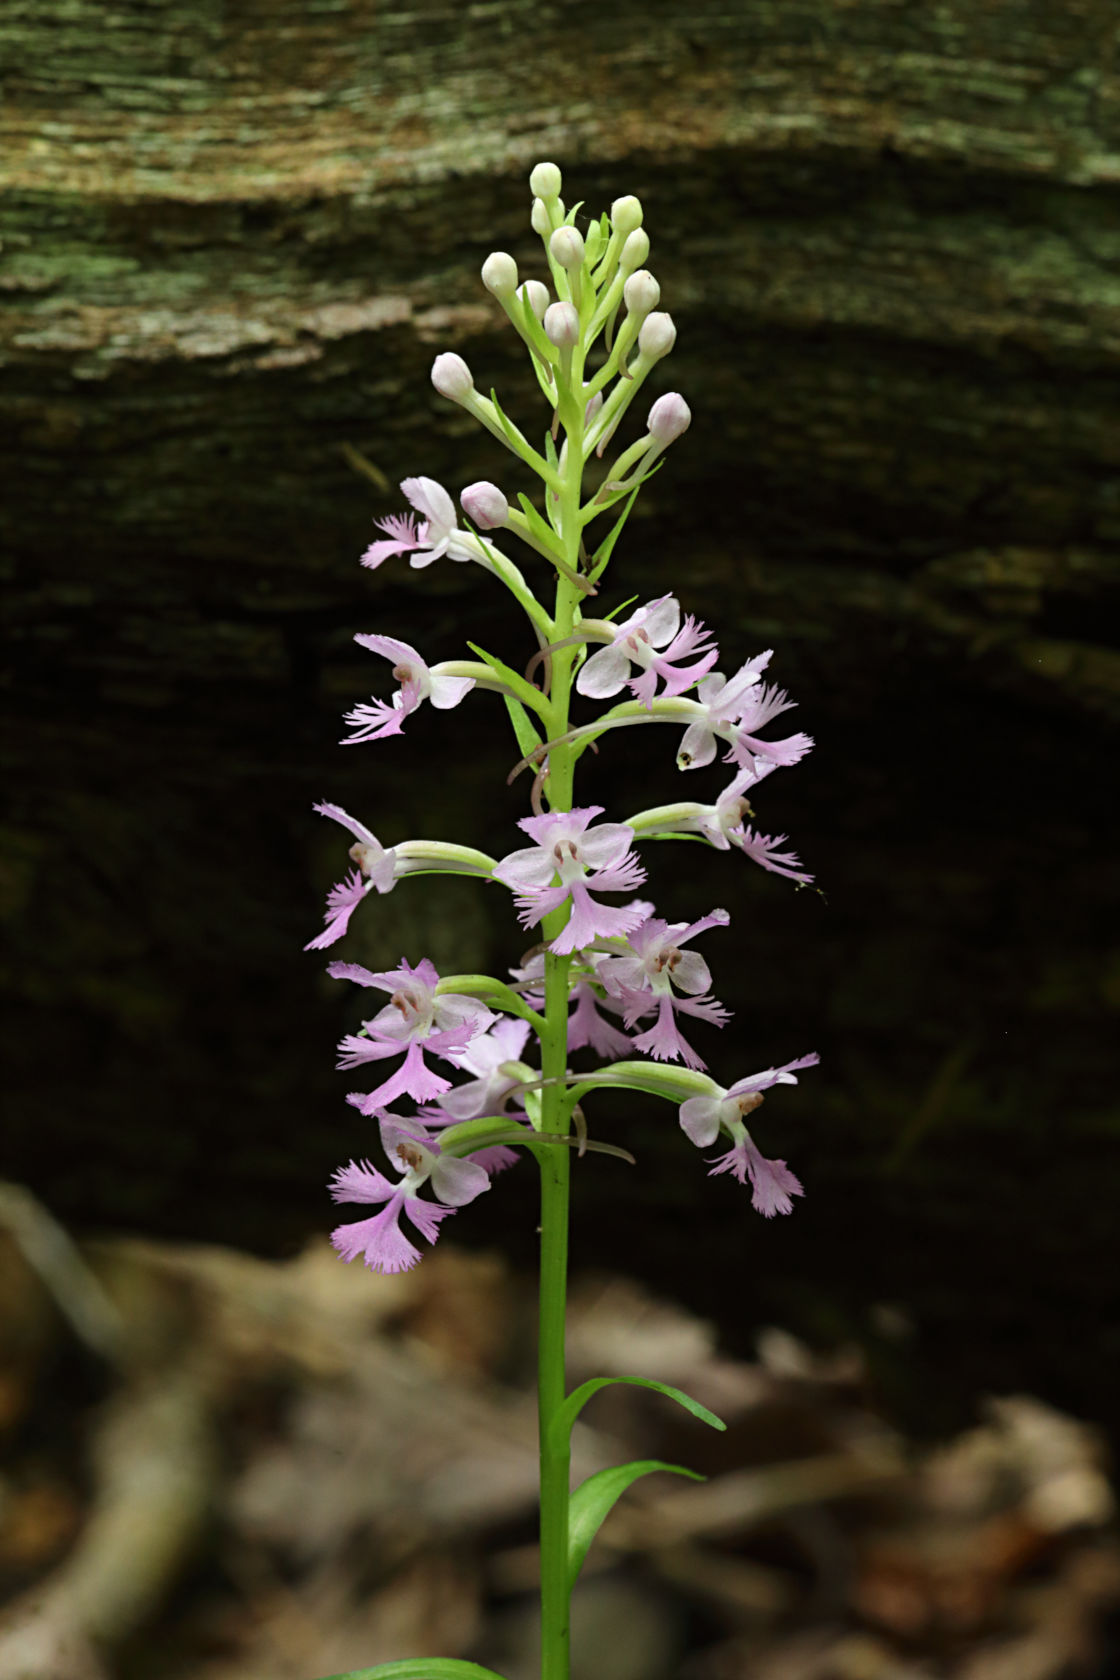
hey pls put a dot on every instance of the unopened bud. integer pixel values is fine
(642, 293)
(593, 408)
(658, 335)
(561, 325)
(485, 505)
(626, 215)
(537, 294)
(452, 377)
(566, 246)
(499, 274)
(545, 181)
(538, 218)
(634, 252)
(669, 417)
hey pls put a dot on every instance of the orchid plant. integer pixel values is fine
(606, 963)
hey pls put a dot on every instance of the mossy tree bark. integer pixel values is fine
(233, 237)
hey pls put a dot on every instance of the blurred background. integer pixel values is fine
(234, 235)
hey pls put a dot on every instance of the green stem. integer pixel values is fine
(555, 1164)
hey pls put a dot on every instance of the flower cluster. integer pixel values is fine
(483, 1060)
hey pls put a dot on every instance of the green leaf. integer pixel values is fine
(594, 1498)
(613, 501)
(514, 437)
(606, 547)
(420, 1668)
(528, 737)
(574, 1404)
(629, 602)
(542, 531)
(513, 679)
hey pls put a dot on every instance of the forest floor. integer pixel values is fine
(216, 1467)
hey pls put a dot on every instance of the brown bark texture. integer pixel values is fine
(234, 233)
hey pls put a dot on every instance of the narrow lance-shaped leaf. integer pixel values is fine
(524, 691)
(421, 1668)
(606, 547)
(574, 1404)
(594, 1498)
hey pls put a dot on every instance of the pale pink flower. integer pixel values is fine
(703, 1118)
(643, 980)
(764, 704)
(413, 1020)
(567, 848)
(724, 699)
(376, 871)
(772, 1183)
(763, 848)
(436, 533)
(588, 1028)
(719, 822)
(487, 1057)
(652, 639)
(419, 682)
(380, 1240)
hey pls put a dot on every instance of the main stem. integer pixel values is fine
(556, 1108)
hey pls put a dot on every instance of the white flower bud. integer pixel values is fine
(626, 215)
(561, 325)
(669, 417)
(537, 293)
(658, 335)
(484, 505)
(545, 181)
(499, 274)
(634, 252)
(642, 293)
(538, 218)
(566, 246)
(593, 408)
(452, 377)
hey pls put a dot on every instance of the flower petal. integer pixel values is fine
(700, 1118)
(604, 673)
(380, 1241)
(458, 1182)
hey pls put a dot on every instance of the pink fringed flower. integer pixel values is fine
(413, 1020)
(735, 708)
(436, 534)
(376, 871)
(488, 1057)
(419, 682)
(588, 1028)
(567, 848)
(763, 848)
(703, 1118)
(494, 1059)
(643, 980)
(747, 749)
(652, 639)
(380, 1240)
